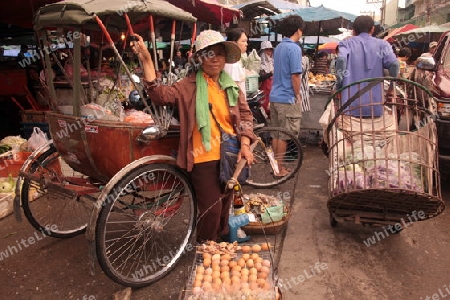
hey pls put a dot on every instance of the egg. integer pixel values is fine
(266, 263)
(224, 274)
(261, 282)
(244, 278)
(224, 262)
(252, 278)
(206, 286)
(236, 273)
(215, 274)
(237, 268)
(245, 272)
(217, 280)
(256, 248)
(216, 257)
(235, 279)
(207, 278)
(200, 270)
(253, 271)
(206, 262)
(216, 286)
(265, 269)
(254, 256)
(215, 268)
(263, 275)
(197, 283)
(245, 249)
(253, 286)
(224, 269)
(258, 266)
(258, 260)
(241, 262)
(265, 246)
(245, 285)
(206, 255)
(197, 290)
(232, 264)
(208, 271)
(226, 256)
(199, 277)
(249, 263)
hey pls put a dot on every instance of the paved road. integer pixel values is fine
(335, 263)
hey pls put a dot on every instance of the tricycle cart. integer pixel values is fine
(383, 165)
(117, 181)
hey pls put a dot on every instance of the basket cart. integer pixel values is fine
(117, 181)
(382, 150)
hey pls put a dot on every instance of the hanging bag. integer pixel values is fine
(229, 149)
(37, 139)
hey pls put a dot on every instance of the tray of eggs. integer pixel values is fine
(246, 274)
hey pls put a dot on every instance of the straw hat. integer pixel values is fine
(211, 37)
(266, 45)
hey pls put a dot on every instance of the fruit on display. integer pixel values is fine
(320, 78)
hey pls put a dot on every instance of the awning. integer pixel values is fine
(399, 30)
(208, 11)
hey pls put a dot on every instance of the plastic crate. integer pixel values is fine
(27, 129)
(251, 83)
(12, 164)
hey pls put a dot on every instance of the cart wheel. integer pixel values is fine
(261, 173)
(146, 225)
(333, 221)
(52, 211)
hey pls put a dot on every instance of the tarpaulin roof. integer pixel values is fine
(209, 11)
(255, 8)
(320, 20)
(82, 12)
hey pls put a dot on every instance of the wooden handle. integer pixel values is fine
(239, 167)
(105, 31)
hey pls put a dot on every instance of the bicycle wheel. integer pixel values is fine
(146, 225)
(289, 160)
(56, 212)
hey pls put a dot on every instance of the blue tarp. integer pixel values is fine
(320, 20)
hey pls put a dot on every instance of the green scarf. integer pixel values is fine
(202, 106)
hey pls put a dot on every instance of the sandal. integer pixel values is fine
(284, 172)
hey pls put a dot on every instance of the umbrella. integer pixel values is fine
(320, 20)
(313, 40)
(422, 34)
(329, 47)
(399, 30)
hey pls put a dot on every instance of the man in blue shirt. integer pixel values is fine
(285, 99)
(361, 57)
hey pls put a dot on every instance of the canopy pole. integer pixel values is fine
(119, 57)
(76, 77)
(172, 46)
(194, 35)
(153, 41)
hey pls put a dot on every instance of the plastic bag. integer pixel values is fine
(273, 214)
(37, 139)
(252, 62)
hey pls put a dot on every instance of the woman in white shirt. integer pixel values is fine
(236, 70)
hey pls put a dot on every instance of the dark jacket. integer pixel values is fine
(183, 94)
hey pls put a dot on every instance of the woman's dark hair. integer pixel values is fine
(404, 52)
(234, 34)
(363, 24)
(289, 25)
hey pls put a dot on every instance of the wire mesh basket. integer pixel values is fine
(382, 150)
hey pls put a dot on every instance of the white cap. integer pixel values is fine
(266, 45)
